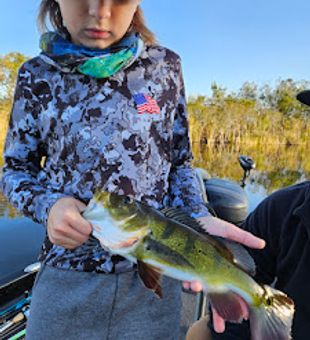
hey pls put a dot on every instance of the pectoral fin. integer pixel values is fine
(150, 276)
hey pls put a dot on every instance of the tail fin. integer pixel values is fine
(273, 320)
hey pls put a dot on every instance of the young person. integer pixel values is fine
(283, 220)
(102, 107)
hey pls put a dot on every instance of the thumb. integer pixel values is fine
(80, 206)
(218, 322)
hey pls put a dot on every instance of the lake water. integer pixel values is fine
(276, 166)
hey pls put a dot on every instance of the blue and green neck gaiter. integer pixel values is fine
(97, 63)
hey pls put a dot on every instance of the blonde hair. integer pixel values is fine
(49, 10)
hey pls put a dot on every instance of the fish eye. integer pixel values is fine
(127, 200)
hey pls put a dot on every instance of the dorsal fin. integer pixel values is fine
(240, 255)
(181, 217)
(150, 277)
(232, 251)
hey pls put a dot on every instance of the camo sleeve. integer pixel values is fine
(184, 189)
(23, 154)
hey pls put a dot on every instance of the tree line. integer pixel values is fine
(264, 115)
(9, 65)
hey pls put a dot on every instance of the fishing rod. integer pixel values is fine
(15, 307)
(16, 325)
(13, 318)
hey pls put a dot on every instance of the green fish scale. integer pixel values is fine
(173, 245)
(204, 260)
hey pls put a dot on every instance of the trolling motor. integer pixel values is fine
(224, 198)
(247, 164)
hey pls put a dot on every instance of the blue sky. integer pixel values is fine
(223, 41)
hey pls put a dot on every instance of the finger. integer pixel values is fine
(186, 285)
(244, 237)
(216, 226)
(218, 322)
(80, 205)
(75, 235)
(66, 231)
(244, 308)
(65, 242)
(196, 286)
(80, 224)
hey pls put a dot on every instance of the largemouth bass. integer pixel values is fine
(172, 243)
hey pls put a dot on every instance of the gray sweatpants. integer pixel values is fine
(78, 305)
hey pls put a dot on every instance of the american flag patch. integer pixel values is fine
(146, 104)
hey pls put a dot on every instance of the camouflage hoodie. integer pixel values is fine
(70, 134)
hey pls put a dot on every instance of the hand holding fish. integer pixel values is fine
(66, 227)
(218, 227)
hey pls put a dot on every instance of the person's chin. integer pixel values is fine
(95, 41)
(98, 43)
